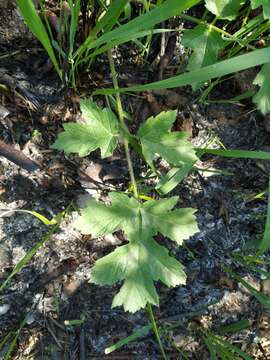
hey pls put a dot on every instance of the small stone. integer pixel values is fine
(30, 318)
(4, 309)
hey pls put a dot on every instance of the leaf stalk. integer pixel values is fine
(122, 122)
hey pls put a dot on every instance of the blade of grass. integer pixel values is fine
(225, 67)
(169, 181)
(146, 21)
(241, 154)
(75, 11)
(13, 343)
(234, 327)
(107, 21)
(233, 100)
(111, 16)
(261, 297)
(143, 331)
(211, 348)
(35, 24)
(233, 349)
(5, 339)
(39, 216)
(265, 243)
(122, 39)
(28, 256)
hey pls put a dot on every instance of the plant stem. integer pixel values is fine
(152, 320)
(134, 185)
(122, 121)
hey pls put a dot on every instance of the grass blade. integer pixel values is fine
(211, 348)
(241, 154)
(265, 243)
(124, 38)
(28, 256)
(12, 345)
(75, 11)
(169, 181)
(139, 333)
(225, 67)
(146, 21)
(234, 327)
(109, 19)
(106, 22)
(261, 297)
(35, 24)
(233, 349)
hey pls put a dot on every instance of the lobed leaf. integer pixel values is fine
(100, 131)
(224, 9)
(155, 138)
(142, 261)
(139, 264)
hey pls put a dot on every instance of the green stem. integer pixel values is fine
(152, 320)
(122, 122)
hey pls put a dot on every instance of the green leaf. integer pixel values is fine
(265, 242)
(142, 261)
(35, 24)
(224, 9)
(265, 4)
(173, 177)
(225, 67)
(262, 98)
(234, 327)
(100, 131)
(166, 10)
(261, 297)
(155, 138)
(97, 219)
(241, 154)
(143, 331)
(232, 348)
(205, 44)
(211, 347)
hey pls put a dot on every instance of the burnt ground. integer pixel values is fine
(53, 287)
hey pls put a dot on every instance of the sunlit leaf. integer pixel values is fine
(224, 9)
(205, 44)
(156, 138)
(142, 261)
(99, 131)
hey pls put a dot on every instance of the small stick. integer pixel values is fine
(17, 157)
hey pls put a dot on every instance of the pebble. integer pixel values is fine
(4, 309)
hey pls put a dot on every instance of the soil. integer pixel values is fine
(53, 288)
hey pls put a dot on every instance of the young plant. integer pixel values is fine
(142, 261)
